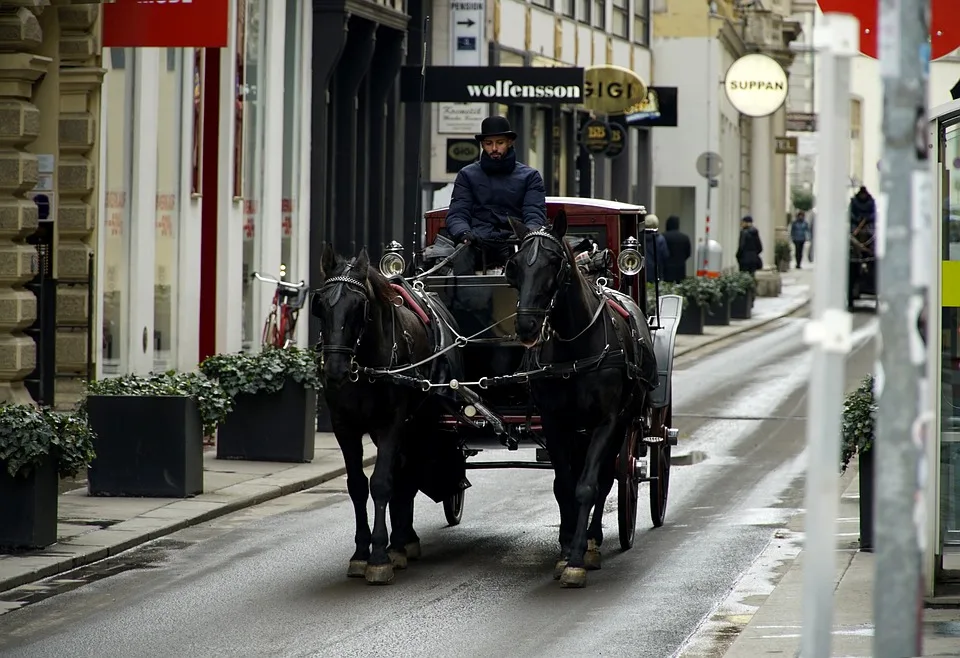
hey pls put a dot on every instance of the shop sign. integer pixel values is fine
(460, 153)
(658, 108)
(596, 136)
(467, 32)
(618, 141)
(165, 23)
(802, 122)
(492, 84)
(756, 85)
(786, 145)
(611, 89)
(460, 118)
(944, 24)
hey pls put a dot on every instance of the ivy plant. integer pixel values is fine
(214, 404)
(701, 291)
(859, 422)
(666, 288)
(29, 435)
(736, 284)
(781, 250)
(264, 372)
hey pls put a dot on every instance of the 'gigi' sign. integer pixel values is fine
(756, 85)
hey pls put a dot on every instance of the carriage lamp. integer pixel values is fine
(630, 260)
(392, 263)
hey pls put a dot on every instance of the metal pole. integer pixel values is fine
(904, 223)
(829, 332)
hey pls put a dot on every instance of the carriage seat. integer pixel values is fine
(411, 303)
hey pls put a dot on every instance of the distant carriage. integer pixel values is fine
(862, 270)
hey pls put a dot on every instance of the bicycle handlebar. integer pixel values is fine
(267, 279)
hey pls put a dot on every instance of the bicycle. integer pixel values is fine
(281, 324)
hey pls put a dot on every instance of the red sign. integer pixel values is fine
(166, 24)
(944, 24)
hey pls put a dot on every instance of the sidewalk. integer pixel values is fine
(92, 528)
(794, 295)
(775, 627)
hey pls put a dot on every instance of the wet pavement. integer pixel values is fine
(270, 580)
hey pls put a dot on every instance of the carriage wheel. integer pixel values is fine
(629, 490)
(660, 469)
(453, 508)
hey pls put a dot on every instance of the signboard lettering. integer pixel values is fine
(492, 84)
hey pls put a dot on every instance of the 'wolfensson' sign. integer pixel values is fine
(492, 84)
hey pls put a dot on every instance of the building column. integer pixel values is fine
(20, 122)
(781, 189)
(761, 202)
(81, 79)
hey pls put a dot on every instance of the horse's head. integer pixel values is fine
(540, 271)
(343, 306)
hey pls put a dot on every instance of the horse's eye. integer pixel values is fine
(510, 271)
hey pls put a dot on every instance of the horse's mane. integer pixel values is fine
(380, 288)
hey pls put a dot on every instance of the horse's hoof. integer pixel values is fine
(357, 569)
(573, 577)
(379, 574)
(398, 559)
(413, 550)
(591, 559)
(558, 569)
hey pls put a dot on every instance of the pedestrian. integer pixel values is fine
(750, 247)
(680, 250)
(655, 247)
(799, 233)
(488, 193)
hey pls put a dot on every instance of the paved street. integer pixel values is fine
(270, 580)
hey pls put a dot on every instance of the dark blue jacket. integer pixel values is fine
(483, 199)
(657, 254)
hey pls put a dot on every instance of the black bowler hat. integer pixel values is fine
(494, 127)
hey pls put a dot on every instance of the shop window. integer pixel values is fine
(621, 18)
(251, 84)
(599, 14)
(641, 22)
(118, 141)
(293, 45)
(167, 221)
(196, 173)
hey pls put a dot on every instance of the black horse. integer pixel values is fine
(364, 323)
(587, 412)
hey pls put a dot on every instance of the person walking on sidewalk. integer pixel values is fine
(799, 233)
(750, 248)
(680, 250)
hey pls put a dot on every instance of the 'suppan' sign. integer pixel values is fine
(756, 85)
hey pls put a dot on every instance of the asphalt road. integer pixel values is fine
(270, 581)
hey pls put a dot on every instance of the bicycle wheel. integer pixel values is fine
(269, 338)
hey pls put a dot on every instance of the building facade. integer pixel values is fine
(544, 34)
(693, 46)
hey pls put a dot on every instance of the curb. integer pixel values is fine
(741, 330)
(97, 554)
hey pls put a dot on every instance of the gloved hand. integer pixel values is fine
(468, 238)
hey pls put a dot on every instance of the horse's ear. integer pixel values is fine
(328, 260)
(560, 224)
(361, 264)
(519, 228)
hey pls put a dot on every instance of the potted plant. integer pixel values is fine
(718, 311)
(149, 433)
(741, 288)
(698, 294)
(859, 422)
(37, 446)
(274, 395)
(781, 254)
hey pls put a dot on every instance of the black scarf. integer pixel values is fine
(504, 165)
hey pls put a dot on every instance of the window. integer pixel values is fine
(117, 179)
(583, 11)
(546, 4)
(621, 19)
(599, 14)
(196, 173)
(167, 224)
(569, 8)
(641, 22)
(291, 138)
(251, 84)
(856, 140)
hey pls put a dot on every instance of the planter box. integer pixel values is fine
(741, 306)
(271, 427)
(28, 515)
(692, 320)
(783, 265)
(718, 313)
(866, 500)
(146, 446)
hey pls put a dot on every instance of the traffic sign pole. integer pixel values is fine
(828, 332)
(905, 270)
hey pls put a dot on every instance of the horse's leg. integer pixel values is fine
(351, 445)
(608, 473)
(379, 567)
(401, 515)
(575, 573)
(560, 445)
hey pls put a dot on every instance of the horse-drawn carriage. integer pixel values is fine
(862, 268)
(562, 349)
